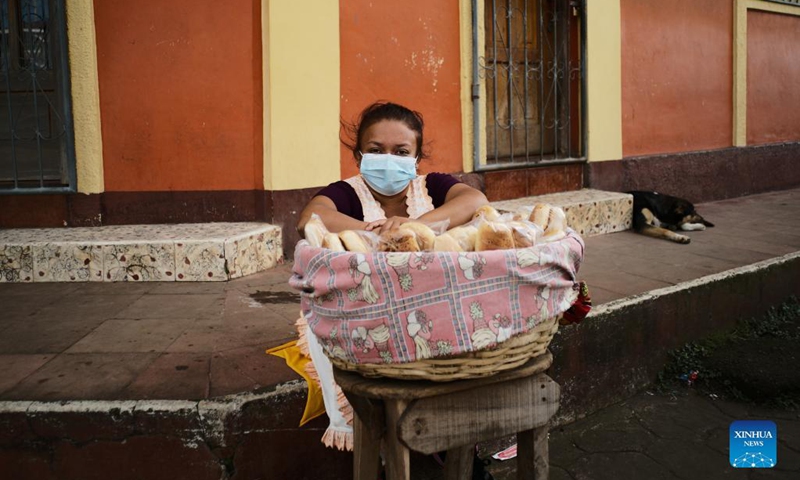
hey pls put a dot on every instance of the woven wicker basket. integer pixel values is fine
(507, 355)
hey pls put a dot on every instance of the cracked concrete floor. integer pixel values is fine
(664, 437)
(652, 437)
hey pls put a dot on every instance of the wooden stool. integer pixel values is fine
(430, 417)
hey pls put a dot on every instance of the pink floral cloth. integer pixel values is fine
(403, 307)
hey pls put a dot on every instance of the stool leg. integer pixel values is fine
(398, 460)
(458, 465)
(366, 452)
(533, 454)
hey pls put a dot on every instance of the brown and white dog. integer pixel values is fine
(657, 215)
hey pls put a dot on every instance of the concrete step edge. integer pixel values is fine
(589, 212)
(179, 252)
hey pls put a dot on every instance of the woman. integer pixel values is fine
(388, 147)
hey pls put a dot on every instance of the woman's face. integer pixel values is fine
(389, 136)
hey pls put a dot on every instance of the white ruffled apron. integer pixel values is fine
(339, 433)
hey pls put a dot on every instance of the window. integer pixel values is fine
(530, 70)
(36, 146)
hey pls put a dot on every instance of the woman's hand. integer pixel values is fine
(380, 226)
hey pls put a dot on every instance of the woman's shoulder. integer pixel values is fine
(438, 184)
(444, 180)
(340, 186)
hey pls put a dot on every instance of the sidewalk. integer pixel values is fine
(198, 341)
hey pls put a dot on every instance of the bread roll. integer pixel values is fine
(465, 235)
(524, 234)
(331, 241)
(494, 236)
(523, 214)
(353, 242)
(540, 215)
(488, 212)
(314, 231)
(399, 241)
(425, 236)
(446, 243)
(556, 225)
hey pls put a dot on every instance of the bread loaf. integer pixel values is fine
(353, 242)
(465, 235)
(446, 243)
(524, 234)
(314, 231)
(488, 213)
(399, 241)
(540, 215)
(425, 236)
(493, 236)
(556, 225)
(331, 241)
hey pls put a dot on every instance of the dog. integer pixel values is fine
(658, 215)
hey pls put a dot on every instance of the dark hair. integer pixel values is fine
(378, 112)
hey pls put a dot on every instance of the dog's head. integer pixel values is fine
(685, 213)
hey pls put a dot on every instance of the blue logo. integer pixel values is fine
(753, 444)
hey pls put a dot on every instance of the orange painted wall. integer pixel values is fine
(180, 94)
(773, 77)
(406, 52)
(676, 75)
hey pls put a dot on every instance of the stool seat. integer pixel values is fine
(429, 417)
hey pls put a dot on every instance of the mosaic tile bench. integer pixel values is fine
(205, 252)
(589, 212)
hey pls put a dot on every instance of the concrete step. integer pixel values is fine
(589, 212)
(202, 252)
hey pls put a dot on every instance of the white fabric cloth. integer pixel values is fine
(418, 202)
(327, 384)
(340, 434)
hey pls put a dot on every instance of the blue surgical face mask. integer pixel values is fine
(388, 174)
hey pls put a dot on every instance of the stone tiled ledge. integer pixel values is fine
(139, 253)
(589, 212)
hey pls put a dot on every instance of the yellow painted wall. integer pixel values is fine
(603, 81)
(300, 48)
(85, 96)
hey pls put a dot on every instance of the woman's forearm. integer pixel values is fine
(332, 218)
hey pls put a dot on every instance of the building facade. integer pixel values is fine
(195, 111)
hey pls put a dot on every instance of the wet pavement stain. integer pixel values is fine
(275, 297)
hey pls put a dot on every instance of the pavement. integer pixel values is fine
(204, 341)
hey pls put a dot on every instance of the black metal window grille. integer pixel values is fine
(531, 68)
(36, 138)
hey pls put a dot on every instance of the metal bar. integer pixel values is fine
(494, 81)
(510, 80)
(34, 85)
(568, 77)
(555, 79)
(476, 102)
(542, 162)
(7, 71)
(65, 87)
(582, 113)
(542, 106)
(13, 35)
(525, 78)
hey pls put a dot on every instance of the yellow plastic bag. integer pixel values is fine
(294, 358)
